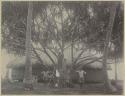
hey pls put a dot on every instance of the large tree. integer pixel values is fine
(58, 26)
(14, 23)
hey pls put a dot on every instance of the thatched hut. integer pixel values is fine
(94, 72)
(16, 68)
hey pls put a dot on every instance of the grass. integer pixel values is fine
(43, 89)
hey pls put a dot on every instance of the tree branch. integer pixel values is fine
(39, 58)
(47, 53)
(79, 55)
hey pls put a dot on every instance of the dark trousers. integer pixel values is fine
(81, 82)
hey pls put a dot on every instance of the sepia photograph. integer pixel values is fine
(62, 47)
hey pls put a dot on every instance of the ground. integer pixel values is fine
(40, 88)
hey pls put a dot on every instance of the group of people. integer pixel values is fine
(54, 78)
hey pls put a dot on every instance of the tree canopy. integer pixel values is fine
(55, 23)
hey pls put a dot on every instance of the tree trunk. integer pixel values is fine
(28, 66)
(115, 68)
(107, 82)
(37, 55)
(72, 51)
(61, 54)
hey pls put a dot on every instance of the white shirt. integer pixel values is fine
(57, 73)
(81, 73)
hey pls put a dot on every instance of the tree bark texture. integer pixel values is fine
(107, 83)
(28, 66)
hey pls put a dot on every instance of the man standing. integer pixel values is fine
(57, 78)
(81, 77)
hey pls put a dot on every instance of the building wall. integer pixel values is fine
(94, 75)
(18, 74)
(10, 74)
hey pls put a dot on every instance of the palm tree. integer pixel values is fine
(28, 66)
(107, 83)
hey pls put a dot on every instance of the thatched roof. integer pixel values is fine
(93, 65)
(20, 63)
